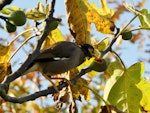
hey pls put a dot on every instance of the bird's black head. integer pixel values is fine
(88, 50)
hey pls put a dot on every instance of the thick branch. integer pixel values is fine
(45, 92)
(3, 3)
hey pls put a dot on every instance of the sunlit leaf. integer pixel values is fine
(101, 17)
(38, 13)
(83, 14)
(144, 86)
(9, 10)
(53, 37)
(144, 16)
(102, 45)
(104, 11)
(123, 92)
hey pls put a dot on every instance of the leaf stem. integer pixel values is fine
(124, 67)
(125, 26)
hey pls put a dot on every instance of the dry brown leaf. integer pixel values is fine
(77, 20)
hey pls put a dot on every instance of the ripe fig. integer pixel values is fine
(9, 27)
(126, 35)
(17, 18)
(98, 65)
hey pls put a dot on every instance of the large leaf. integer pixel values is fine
(101, 17)
(144, 16)
(123, 92)
(78, 24)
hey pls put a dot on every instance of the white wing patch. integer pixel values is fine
(58, 58)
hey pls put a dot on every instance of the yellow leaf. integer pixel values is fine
(3, 50)
(103, 24)
(34, 14)
(78, 90)
(81, 14)
(5, 66)
(37, 13)
(101, 17)
(86, 63)
(77, 20)
(5, 69)
(53, 37)
(104, 11)
(102, 45)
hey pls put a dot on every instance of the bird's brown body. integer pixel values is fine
(59, 58)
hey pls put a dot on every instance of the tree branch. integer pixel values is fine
(38, 94)
(3, 3)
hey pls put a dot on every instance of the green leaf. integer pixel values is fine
(114, 70)
(102, 45)
(144, 18)
(9, 10)
(38, 13)
(123, 93)
(144, 86)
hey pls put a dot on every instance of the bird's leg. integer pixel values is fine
(48, 77)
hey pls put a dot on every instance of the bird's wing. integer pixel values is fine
(45, 55)
(60, 50)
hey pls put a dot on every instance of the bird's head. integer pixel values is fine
(88, 50)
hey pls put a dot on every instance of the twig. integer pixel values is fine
(119, 58)
(3, 17)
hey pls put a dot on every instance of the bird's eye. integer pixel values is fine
(91, 50)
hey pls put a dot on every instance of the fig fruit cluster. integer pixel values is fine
(16, 18)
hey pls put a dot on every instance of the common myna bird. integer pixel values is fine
(60, 58)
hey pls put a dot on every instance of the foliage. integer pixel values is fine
(106, 79)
